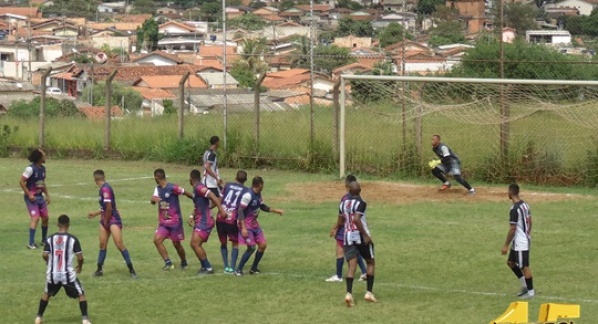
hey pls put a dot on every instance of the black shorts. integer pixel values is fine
(72, 289)
(216, 191)
(521, 258)
(226, 230)
(365, 250)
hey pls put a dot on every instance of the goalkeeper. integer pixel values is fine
(449, 165)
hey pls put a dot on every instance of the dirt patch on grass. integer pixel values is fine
(404, 193)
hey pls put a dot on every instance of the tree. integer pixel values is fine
(247, 21)
(582, 25)
(328, 58)
(54, 108)
(257, 4)
(143, 6)
(148, 36)
(71, 8)
(120, 94)
(393, 33)
(427, 7)
(211, 11)
(169, 108)
(286, 5)
(300, 56)
(447, 32)
(251, 63)
(349, 4)
(348, 26)
(444, 13)
(518, 16)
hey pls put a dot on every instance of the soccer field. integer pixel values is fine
(437, 254)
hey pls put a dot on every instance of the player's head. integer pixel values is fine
(215, 141)
(98, 175)
(435, 140)
(513, 190)
(37, 156)
(241, 176)
(354, 188)
(348, 179)
(194, 177)
(64, 221)
(159, 175)
(257, 184)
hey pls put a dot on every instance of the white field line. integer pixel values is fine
(191, 277)
(87, 183)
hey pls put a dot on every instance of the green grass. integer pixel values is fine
(436, 262)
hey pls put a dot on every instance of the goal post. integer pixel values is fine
(543, 131)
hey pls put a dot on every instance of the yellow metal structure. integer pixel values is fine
(515, 313)
(554, 312)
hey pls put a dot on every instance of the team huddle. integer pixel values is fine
(236, 208)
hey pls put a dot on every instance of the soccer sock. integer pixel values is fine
(31, 236)
(101, 258)
(224, 252)
(349, 285)
(244, 259)
(361, 264)
(438, 174)
(167, 262)
(83, 307)
(256, 261)
(517, 271)
(234, 255)
(126, 256)
(462, 181)
(44, 232)
(42, 307)
(529, 282)
(370, 283)
(339, 267)
(205, 263)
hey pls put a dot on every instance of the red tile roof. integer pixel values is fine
(99, 112)
(21, 11)
(288, 73)
(169, 81)
(213, 51)
(168, 56)
(154, 94)
(131, 73)
(317, 7)
(178, 24)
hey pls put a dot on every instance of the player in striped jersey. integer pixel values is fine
(356, 241)
(204, 222)
(211, 176)
(60, 249)
(519, 238)
(170, 220)
(227, 227)
(34, 188)
(110, 224)
(337, 232)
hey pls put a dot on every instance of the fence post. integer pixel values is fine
(42, 109)
(181, 112)
(335, 116)
(108, 108)
(256, 103)
(419, 116)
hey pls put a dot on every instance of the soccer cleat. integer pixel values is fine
(98, 273)
(349, 300)
(204, 271)
(522, 292)
(334, 278)
(184, 266)
(38, 320)
(528, 295)
(32, 246)
(133, 274)
(254, 271)
(471, 192)
(229, 270)
(239, 273)
(168, 267)
(85, 321)
(363, 277)
(369, 297)
(445, 187)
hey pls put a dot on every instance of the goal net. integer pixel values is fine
(537, 131)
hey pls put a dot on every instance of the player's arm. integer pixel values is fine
(241, 212)
(45, 191)
(268, 209)
(156, 197)
(207, 166)
(509, 239)
(23, 183)
(188, 194)
(339, 223)
(79, 254)
(529, 225)
(93, 214)
(359, 212)
(216, 202)
(107, 213)
(446, 155)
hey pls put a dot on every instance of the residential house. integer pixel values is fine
(242, 101)
(110, 38)
(293, 14)
(170, 82)
(352, 41)
(41, 3)
(471, 12)
(128, 28)
(368, 57)
(11, 90)
(421, 62)
(408, 46)
(285, 30)
(362, 15)
(508, 35)
(158, 58)
(71, 82)
(99, 112)
(28, 12)
(167, 10)
(321, 11)
(179, 44)
(299, 80)
(114, 7)
(350, 69)
(266, 11)
(18, 59)
(128, 74)
(177, 29)
(584, 7)
(216, 80)
(213, 53)
(153, 100)
(406, 19)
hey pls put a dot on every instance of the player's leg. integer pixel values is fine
(116, 230)
(75, 290)
(43, 212)
(367, 252)
(180, 250)
(161, 234)
(456, 170)
(439, 172)
(251, 247)
(260, 239)
(232, 232)
(527, 274)
(513, 263)
(197, 239)
(104, 236)
(220, 229)
(362, 268)
(340, 260)
(49, 290)
(34, 215)
(351, 256)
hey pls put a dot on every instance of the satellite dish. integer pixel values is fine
(101, 57)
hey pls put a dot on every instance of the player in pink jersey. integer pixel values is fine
(204, 222)
(251, 233)
(170, 220)
(34, 188)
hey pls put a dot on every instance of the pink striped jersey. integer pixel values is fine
(169, 207)
(202, 214)
(232, 194)
(251, 202)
